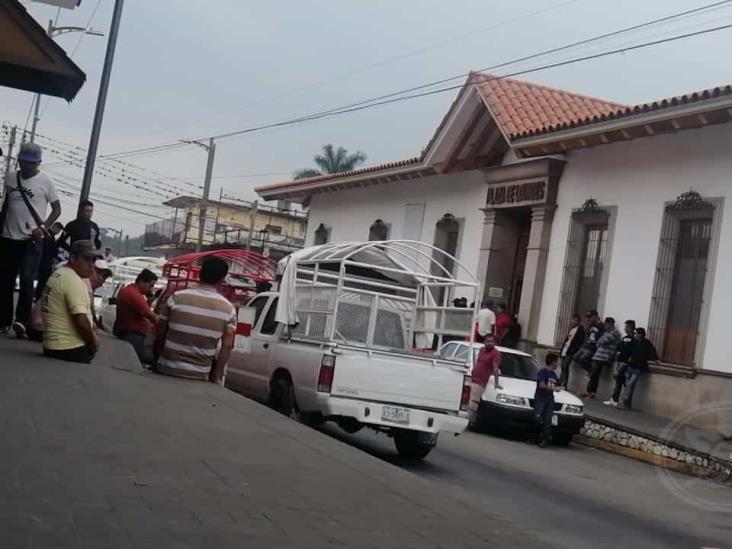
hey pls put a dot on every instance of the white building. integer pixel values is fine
(563, 203)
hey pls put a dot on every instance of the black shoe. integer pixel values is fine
(19, 329)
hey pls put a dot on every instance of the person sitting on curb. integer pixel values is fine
(100, 274)
(134, 315)
(197, 328)
(69, 332)
(643, 353)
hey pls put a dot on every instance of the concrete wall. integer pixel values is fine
(349, 213)
(639, 177)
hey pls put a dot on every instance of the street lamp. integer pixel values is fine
(56, 31)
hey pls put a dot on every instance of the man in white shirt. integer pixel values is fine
(486, 320)
(27, 194)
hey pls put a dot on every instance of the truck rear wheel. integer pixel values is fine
(282, 400)
(410, 445)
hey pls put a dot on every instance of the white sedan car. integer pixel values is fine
(511, 407)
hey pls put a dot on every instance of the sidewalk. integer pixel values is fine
(675, 440)
(110, 456)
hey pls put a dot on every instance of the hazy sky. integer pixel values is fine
(189, 68)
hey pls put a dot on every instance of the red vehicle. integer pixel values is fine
(247, 271)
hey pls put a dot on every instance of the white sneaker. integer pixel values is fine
(611, 403)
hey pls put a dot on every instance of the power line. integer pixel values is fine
(394, 96)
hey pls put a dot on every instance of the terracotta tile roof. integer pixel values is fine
(632, 110)
(523, 108)
(340, 175)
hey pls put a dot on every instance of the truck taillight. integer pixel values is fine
(465, 398)
(325, 377)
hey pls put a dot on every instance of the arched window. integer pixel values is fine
(379, 230)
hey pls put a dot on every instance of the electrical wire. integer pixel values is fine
(394, 96)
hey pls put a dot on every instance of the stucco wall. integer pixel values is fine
(349, 213)
(639, 177)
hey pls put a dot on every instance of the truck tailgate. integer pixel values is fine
(399, 379)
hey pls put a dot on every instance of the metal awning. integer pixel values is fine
(30, 59)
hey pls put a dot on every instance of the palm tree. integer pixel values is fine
(332, 161)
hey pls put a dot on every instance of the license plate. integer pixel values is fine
(395, 414)
(555, 420)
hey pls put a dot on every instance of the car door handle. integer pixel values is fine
(266, 345)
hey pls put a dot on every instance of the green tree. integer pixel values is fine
(332, 160)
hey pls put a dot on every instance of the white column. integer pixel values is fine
(535, 271)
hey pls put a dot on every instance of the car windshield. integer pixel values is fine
(517, 366)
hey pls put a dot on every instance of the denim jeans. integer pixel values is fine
(136, 340)
(17, 257)
(543, 412)
(632, 376)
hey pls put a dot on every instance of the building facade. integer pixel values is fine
(273, 230)
(563, 203)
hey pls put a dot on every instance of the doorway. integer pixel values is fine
(522, 219)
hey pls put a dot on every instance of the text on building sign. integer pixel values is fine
(516, 193)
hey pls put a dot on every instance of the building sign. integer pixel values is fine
(68, 4)
(516, 194)
(495, 292)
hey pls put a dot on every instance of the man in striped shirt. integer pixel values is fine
(196, 329)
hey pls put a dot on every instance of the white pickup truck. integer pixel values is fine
(351, 356)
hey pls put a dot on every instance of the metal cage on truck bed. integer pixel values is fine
(393, 295)
(246, 270)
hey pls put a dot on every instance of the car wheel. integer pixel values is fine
(282, 400)
(562, 439)
(409, 446)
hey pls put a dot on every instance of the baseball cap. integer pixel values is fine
(85, 248)
(102, 265)
(30, 152)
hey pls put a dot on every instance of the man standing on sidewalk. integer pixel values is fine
(486, 321)
(643, 353)
(69, 330)
(81, 228)
(607, 347)
(625, 350)
(134, 315)
(28, 193)
(196, 329)
(572, 343)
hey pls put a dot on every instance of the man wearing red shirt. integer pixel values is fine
(503, 323)
(487, 365)
(134, 314)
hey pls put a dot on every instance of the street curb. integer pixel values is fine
(639, 455)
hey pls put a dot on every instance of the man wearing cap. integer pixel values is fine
(100, 274)
(69, 328)
(23, 225)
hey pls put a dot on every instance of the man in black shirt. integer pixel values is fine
(49, 258)
(81, 228)
(624, 351)
(643, 353)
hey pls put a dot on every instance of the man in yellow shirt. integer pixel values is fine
(69, 330)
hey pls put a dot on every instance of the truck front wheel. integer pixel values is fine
(413, 444)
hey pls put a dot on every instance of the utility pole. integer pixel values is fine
(211, 150)
(53, 30)
(91, 154)
(127, 245)
(11, 143)
(252, 217)
(119, 245)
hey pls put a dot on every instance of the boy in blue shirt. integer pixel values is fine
(547, 383)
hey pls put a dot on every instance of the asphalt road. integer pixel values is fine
(574, 497)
